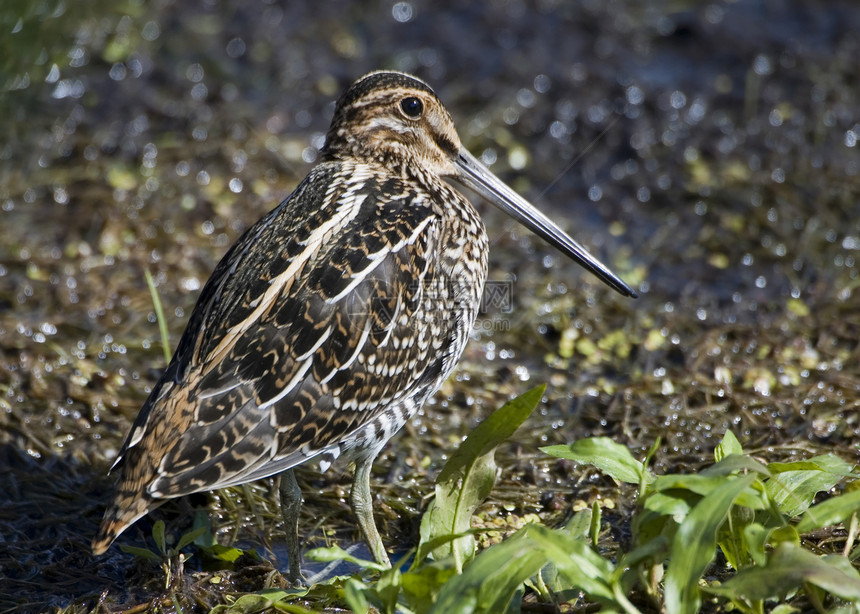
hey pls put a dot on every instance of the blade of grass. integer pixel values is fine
(695, 544)
(159, 315)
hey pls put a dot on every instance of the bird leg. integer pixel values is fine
(291, 504)
(362, 506)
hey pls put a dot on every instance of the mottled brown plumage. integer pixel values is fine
(332, 319)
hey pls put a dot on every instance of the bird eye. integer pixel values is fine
(412, 107)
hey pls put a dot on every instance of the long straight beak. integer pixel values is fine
(479, 178)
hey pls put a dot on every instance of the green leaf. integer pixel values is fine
(736, 463)
(490, 581)
(703, 484)
(420, 587)
(353, 594)
(158, 536)
(785, 533)
(728, 446)
(206, 539)
(674, 503)
(575, 560)
(469, 476)
(426, 547)
(832, 511)
(336, 553)
(190, 537)
(612, 458)
(223, 553)
(807, 465)
(788, 568)
(582, 523)
(694, 545)
(648, 526)
(143, 553)
(386, 589)
(794, 490)
(500, 425)
(267, 599)
(695, 483)
(755, 538)
(452, 509)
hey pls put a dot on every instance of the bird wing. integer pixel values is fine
(319, 318)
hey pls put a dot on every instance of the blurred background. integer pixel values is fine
(706, 151)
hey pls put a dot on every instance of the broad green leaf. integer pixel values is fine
(426, 547)
(794, 466)
(832, 511)
(500, 425)
(353, 594)
(843, 563)
(583, 568)
(469, 476)
(788, 568)
(189, 537)
(336, 553)
(158, 536)
(206, 539)
(386, 589)
(730, 538)
(265, 600)
(581, 525)
(694, 545)
(736, 463)
(785, 533)
(575, 560)
(695, 483)
(675, 503)
(420, 587)
(702, 484)
(490, 581)
(755, 538)
(612, 458)
(648, 526)
(224, 553)
(455, 503)
(728, 446)
(794, 491)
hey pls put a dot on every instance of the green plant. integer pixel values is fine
(159, 315)
(171, 559)
(755, 513)
(745, 508)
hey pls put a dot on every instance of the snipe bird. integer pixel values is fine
(330, 322)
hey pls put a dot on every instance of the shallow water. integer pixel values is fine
(707, 152)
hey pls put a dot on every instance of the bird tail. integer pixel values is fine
(125, 510)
